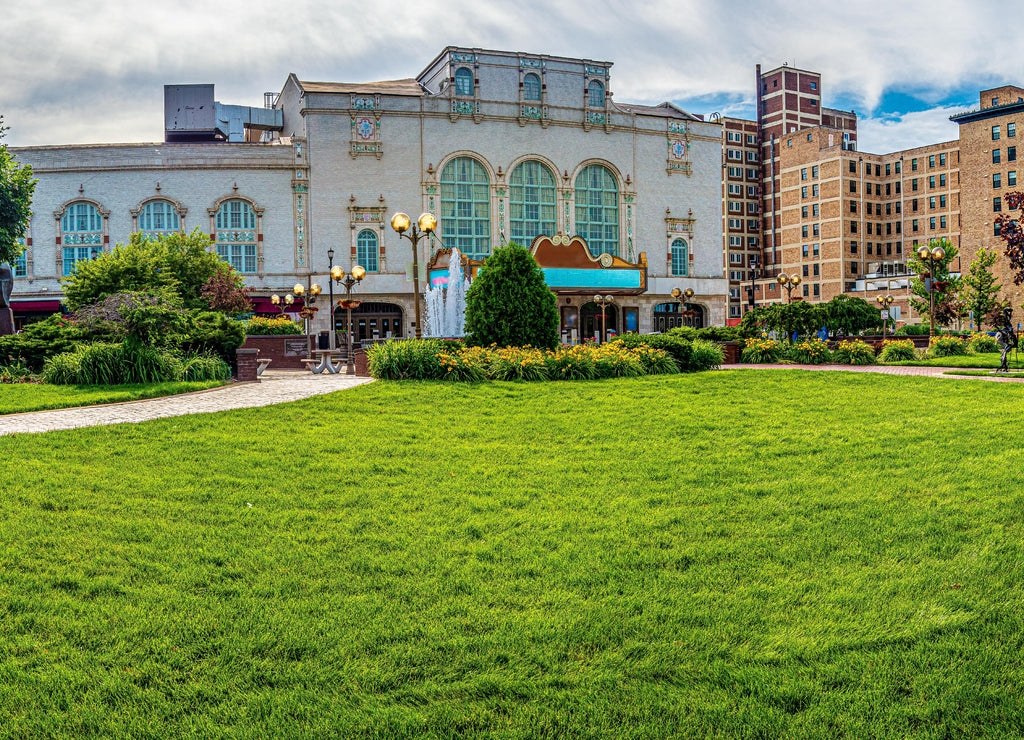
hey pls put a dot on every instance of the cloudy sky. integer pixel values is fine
(94, 72)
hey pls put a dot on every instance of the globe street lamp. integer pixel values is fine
(308, 310)
(931, 256)
(414, 232)
(348, 303)
(885, 301)
(788, 282)
(603, 301)
(682, 296)
(282, 303)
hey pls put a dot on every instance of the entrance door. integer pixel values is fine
(591, 322)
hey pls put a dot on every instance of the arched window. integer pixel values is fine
(236, 235)
(463, 81)
(531, 202)
(81, 234)
(595, 94)
(597, 209)
(466, 207)
(680, 258)
(159, 217)
(531, 87)
(367, 250)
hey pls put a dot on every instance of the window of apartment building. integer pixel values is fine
(810, 137)
(997, 204)
(899, 247)
(995, 156)
(735, 172)
(814, 190)
(814, 171)
(751, 207)
(888, 248)
(734, 154)
(735, 189)
(814, 85)
(878, 189)
(803, 192)
(888, 229)
(942, 201)
(735, 241)
(913, 165)
(735, 207)
(753, 225)
(736, 259)
(931, 203)
(806, 290)
(899, 228)
(888, 188)
(942, 160)
(931, 223)
(806, 250)
(733, 136)
(735, 223)
(888, 209)
(871, 248)
(931, 182)
(815, 229)
(942, 181)
(899, 208)
(888, 169)
(1011, 154)
(803, 231)
(803, 212)
(913, 205)
(997, 180)
(751, 139)
(751, 241)
(853, 268)
(817, 289)
(871, 228)
(996, 228)
(878, 170)
(853, 166)
(1011, 178)
(899, 188)
(751, 156)
(853, 206)
(807, 272)
(995, 133)
(913, 184)
(931, 161)
(751, 174)
(815, 270)
(1011, 130)
(751, 191)
(898, 168)
(913, 225)
(815, 250)
(803, 173)
(814, 210)
(853, 186)
(942, 222)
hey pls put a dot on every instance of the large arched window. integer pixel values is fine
(595, 94)
(81, 234)
(531, 202)
(466, 207)
(236, 235)
(367, 250)
(463, 81)
(680, 258)
(597, 209)
(531, 87)
(159, 217)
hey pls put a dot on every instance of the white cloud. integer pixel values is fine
(892, 132)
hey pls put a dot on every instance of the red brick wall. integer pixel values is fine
(286, 350)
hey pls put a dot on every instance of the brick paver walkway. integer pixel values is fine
(276, 387)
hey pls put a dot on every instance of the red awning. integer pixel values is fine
(51, 306)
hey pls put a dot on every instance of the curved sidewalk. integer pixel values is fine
(931, 372)
(278, 386)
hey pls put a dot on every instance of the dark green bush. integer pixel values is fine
(912, 330)
(209, 332)
(38, 341)
(679, 349)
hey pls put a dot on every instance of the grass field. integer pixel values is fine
(985, 360)
(19, 397)
(734, 554)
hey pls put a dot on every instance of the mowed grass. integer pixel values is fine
(16, 398)
(732, 554)
(984, 360)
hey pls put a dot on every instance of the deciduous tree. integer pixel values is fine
(16, 188)
(979, 286)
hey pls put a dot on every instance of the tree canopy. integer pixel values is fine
(510, 304)
(979, 287)
(175, 267)
(16, 188)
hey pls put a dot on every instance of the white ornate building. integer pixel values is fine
(501, 146)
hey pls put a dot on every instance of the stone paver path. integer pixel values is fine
(276, 387)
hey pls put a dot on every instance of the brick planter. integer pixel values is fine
(246, 360)
(284, 350)
(732, 352)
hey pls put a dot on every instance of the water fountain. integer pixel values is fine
(446, 304)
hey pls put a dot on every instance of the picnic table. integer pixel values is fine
(330, 360)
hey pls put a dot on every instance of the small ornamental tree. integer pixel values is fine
(16, 188)
(510, 304)
(226, 291)
(980, 287)
(850, 315)
(1010, 232)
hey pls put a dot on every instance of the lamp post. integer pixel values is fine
(788, 282)
(330, 287)
(932, 256)
(682, 296)
(347, 282)
(602, 301)
(885, 301)
(282, 303)
(309, 309)
(425, 225)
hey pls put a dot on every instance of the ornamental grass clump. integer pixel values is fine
(897, 350)
(408, 359)
(517, 363)
(615, 360)
(947, 346)
(705, 355)
(981, 343)
(465, 364)
(570, 363)
(761, 351)
(854, 352)
(810, 351)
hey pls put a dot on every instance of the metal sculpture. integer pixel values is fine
(1007, 339)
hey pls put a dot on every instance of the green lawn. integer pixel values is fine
(734, 554)
(985, 360)
(18, 397)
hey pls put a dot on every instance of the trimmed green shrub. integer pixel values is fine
(509, 304)
(810, 351)
(40, 340)
(912, 330)
(854, 352)
(897, 350)
(982, 343)
(209, 332)
(263, 326)
(761, 351)
(678, 348)
(947, 346)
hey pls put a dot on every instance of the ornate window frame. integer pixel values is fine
(177, 205)
(102, 245)
(451, 239)
(257, 210)
(553, 170)
(619, 209)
